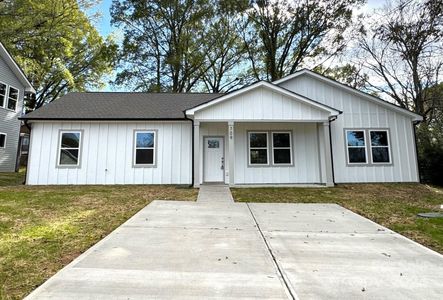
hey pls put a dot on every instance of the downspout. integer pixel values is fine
(332, 119)
(192, 149)
(414, 126)
(29, 152)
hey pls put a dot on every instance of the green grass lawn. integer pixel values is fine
(44, 228)
(392, 205)
(8, 179)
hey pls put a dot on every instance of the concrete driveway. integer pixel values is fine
(221, 250)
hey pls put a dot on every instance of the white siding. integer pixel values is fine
(306, 167)
(107, 153)
(359, 112)
(262, 104)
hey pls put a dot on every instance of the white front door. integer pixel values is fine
(213, 159)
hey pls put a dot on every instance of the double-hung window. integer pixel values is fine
(144, 150)
(8, 96)
(2, 140)
(281, 148)
(356, 144)
(270, 148)
(258, 148)
(368, 146)
(12, 98)
(3, 90)
(69, 150)
(380, 146)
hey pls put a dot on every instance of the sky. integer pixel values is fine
(105, 28)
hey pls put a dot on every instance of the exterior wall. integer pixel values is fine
(359, 112)
(107, 154)
(9, 122)
(306, 163)
(261, 104)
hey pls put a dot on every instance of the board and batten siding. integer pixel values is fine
(305, 166)
(305, 153)
(360, 113)
(107, 154)
(9, 122)
(260, 105)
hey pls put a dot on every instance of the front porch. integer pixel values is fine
(223, 154)
(262, 134)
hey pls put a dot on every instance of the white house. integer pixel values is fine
(13, 86)
(302, 129)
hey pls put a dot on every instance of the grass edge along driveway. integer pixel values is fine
(392, 205)
(44, 228)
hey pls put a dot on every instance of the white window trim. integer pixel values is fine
(6, 96)
(6, 101)
(258, 148)
(365, 147)
(388, 146)
(6, 138)
(154, 148)
(17, 101)
(289, 148)
(60, 148)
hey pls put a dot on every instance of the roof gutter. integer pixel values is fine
(101, 119)
(192, 151)
(332, 119)
(414, 128)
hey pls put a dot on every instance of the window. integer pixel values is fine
(25, 144)
(281, 148)
(380, 146)
(2, 140)
(368, 146)
(213, 144)
(356, 144)
(144, 152)
(69, 154)
(12, 98)
(258, 148)
(2, 94)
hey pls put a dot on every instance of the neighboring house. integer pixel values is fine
(302, 129)
(13, 85)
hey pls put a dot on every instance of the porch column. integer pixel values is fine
(325, 154)
(231, 154)
(196, 153)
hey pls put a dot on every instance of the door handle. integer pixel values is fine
(222, 163)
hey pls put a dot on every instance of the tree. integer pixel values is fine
(226, 57)
(349, 74)
(57, 46)
(163, 46)
(403, 52)
(430, 139)
(281, 35)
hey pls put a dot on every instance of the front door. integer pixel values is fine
(213, 159)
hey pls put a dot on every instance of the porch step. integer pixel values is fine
(220, 194)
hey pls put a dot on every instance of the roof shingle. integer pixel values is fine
(119, 106)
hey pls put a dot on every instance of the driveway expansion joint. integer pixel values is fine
(281, 274)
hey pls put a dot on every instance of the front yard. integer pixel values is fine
(392, 205)
(44, 228)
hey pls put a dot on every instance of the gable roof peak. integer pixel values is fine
(18, 72)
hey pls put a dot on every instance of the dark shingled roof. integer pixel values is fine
(120, 106)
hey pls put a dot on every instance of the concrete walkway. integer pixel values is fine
(216, 249)
(215, 194)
